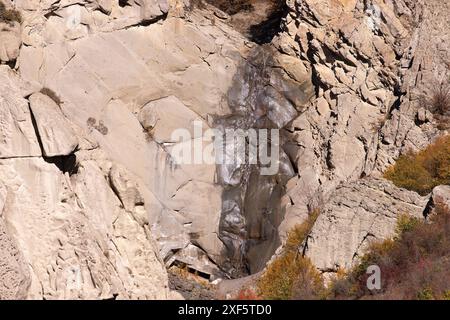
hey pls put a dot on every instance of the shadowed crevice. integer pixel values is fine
(258, 20)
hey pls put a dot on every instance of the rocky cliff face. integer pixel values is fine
(92, 202)
(372, 64)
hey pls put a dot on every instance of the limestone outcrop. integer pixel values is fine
(358, 213)
(129, 88)
(94, 204)
(73, 222)
(372, 68)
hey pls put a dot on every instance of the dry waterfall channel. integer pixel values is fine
(89, 193)
(261, 96)
(251, 201)
(92, 205)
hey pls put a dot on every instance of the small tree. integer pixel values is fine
(438, 102)
(440, 99)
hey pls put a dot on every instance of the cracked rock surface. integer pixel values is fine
(358, 212)
(92, 203)
(363, 56)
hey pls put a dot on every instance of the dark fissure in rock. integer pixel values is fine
(123, 3)
(11, 63)
(259, 20)
(66, 164)
(264, 31)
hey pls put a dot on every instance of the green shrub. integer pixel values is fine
(422, 171)
(9, 15)
(277, 281)
(299, 233)
(308, 283)
(436, 160)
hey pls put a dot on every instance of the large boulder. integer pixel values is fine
(441, 196)
(357, 214)
(55, 133)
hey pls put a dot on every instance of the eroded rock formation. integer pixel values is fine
(372, 65)
(92, 203)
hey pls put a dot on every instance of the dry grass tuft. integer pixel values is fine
(422, 171)
(292, 276)
(438, 102)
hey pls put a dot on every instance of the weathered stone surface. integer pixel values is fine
(423, 67)
(162, 117)
(356, 214)
(54, 131)
(441, 195)
(75, 233)
(186, 83)
(14, 275)
(360, 54)
(343, 80)
(18, 138)
(88, 235)
(10, 41)
(114, 80)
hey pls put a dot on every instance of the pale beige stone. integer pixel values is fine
(10, 41)
(55, 133)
